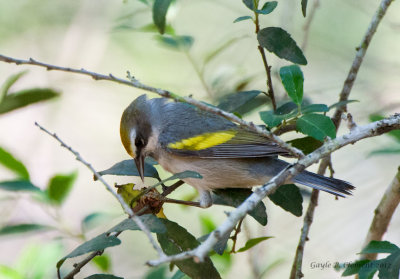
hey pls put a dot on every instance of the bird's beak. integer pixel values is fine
(139, 162)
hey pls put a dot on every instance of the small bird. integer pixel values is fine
(181, 137)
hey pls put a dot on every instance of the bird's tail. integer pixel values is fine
(331, 185)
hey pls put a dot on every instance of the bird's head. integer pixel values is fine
(135, 131)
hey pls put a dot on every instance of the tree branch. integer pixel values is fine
(308, 219)
(358, 133)
(344, 95)
(383, 214)
(361, 51)
(133, 82)
(125, 206)
(78, 266)
(267, 68)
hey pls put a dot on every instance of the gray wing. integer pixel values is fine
(184, 121)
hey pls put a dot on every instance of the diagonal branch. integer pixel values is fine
(361, 51)
(133, 82)
(358, 133)
(344, 95)
(125, 206)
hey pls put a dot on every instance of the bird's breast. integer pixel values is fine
(216, 173)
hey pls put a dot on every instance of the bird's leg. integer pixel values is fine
(190, 203)
(205, 198)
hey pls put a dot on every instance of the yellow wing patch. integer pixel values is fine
(204, 141)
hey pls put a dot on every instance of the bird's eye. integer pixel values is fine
(139, 142)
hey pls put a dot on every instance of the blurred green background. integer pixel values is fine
(105, 37)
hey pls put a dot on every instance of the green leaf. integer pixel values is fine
(234, 101)
(59, 187)
(10, 162)
(354, 268)
(151, 27)
(380, 247)
(253, 242)
(289, 198)
(103, 276)
(314, 108)
(272, 119)
(341, 104)
(160, 9)
(249, 4)
(26, 97)
(128, 168)
(241, 18)
(180, 43)
(18, 185)
(178, 239)
(304, 7)
(368, 270)
(390, 266)
(267, 8)
(153, 223)
(157, 273)
(103, 262)
(95, 244)
(287, 108)
(235, 197)
(293, 80)
(394, 133)
(252, 105)
(9, 82)
(279, 42)
(306, 144)
(178, 275)
(317, 126)
(22, 228)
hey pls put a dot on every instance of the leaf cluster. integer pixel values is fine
(387, 267)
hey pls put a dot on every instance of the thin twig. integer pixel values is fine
(308, 219)
(383, 214)
(125, 206)
(285, 129)
(78, 266)
(361, 132)
(133, 82)
(235, 235)
(344, 95)
(267, 68)
(168, 190)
